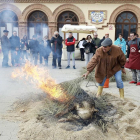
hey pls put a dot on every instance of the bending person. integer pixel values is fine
(109, 60)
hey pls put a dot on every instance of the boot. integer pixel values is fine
(99, 92)
(121, 93)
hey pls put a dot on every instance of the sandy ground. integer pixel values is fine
(11, 90)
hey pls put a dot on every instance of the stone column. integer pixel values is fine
(138, 30)
(22, 29)
(52, 28)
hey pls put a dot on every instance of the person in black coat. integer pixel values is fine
(106, 36)
(41, 48)
(56, 49)
(15, 49)
(24, 47)
(5, 44)
(90, 48)
(47, 49)
(34, 49)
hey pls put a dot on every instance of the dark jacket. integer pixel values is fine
(106, 64)
(47, 49)
(96, 41)
(89, 45)
(5, 43)
(56, 44)
(101, 41)
(14, 42)
(24, 43)
(34, 46)
(70, 43)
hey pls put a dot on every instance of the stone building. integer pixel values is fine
(43, 17)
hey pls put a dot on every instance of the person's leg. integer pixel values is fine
(86, 59)
(90, 56)
(59, 62)
(118, 77)
(68, 58)
(13, 57)
(40, 54)
(81, 53)
(100, 88)
(46, 60)
(138, 77)
(134, 76)
(35, 58)
(54, 60)
(4, 61)
(73, 58)
(6, 57)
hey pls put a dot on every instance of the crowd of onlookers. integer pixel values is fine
(22, 50)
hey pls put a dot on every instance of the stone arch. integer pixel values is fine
(34, 7)
(69, 7)
(11, 7)
(122, 8)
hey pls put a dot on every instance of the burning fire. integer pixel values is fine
(44, 81)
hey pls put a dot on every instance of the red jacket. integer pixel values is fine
(70, 42)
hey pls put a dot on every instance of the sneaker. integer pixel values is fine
(138, 84)
(60, 68)
(132, 82)
(74, 67)
(67, 67)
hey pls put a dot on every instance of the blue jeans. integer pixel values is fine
(118, 77)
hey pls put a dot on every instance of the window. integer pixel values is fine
(37, 24)
(126, 22)
(67, 17)
(8, 21)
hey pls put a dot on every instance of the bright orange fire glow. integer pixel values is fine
(43, 80)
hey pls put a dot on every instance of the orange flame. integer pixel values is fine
(48, 84)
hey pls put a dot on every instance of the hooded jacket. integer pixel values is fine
(121, 44)
(107, 64)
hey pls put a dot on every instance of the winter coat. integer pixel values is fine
(121, 44)
(89, 45)
(24, 43)
(5, 43)
(70, 43)
(57, 45)
(34, 46)
(97, 41)
(101, 41)
(47, 48)
(107, 64)
(15, 42)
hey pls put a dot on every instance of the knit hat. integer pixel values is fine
(107, 42)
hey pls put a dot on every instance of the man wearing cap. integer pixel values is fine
(106, 36)
(5, 48)
(109, 60)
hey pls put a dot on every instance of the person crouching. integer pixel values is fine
(109, 60)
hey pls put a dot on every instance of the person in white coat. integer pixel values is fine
(82, 50)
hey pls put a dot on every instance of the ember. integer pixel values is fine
(43, 80)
